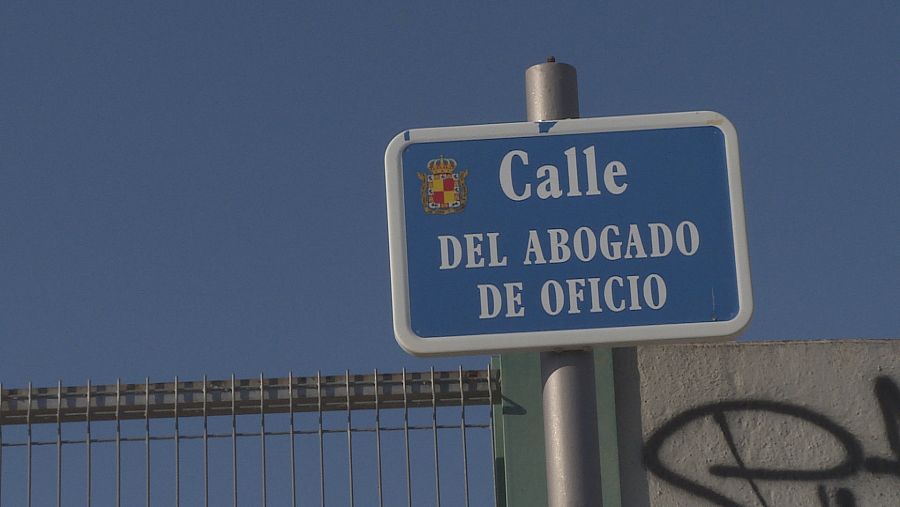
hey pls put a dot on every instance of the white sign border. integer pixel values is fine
(570, 338)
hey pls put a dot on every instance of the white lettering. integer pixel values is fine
(608, 294)
(547, 177)
(572, 166)
(635, 242)
(446, 243)
(558, 303)
(613, 170)
(474, 259)
(583, 243)
(493, 248)
(559, 248)
(681, 241)
(655, 250)
(584, 235)
(489, 309)
(514, 306)
(595, 295)
(506, 182)
(576, 294)
(534, 248)
(591, 157)
(616, 252)
(633, 292)
(660, 300)
(550, 186)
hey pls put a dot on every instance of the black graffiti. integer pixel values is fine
(889, 400)
(853, 460)
(843, 497)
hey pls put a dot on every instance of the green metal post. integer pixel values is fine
(519, 431)
(519, 438)
(606, 426)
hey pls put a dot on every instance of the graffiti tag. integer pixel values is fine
(853, 459)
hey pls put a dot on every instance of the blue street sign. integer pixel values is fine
(565, 234)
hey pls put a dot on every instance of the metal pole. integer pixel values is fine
(570, 408)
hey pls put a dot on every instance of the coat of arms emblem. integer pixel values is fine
(443, 191)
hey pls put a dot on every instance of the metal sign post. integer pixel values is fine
(570, 409)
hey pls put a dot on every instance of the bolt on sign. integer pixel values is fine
(573, 233)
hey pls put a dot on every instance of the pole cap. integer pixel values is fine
(551, 91)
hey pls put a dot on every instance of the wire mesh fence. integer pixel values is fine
(408, 438)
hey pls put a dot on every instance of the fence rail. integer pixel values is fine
(421, 399)
(42, 405)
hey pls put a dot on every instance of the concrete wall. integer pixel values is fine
(774, 424)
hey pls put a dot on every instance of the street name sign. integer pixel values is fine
(567, 234)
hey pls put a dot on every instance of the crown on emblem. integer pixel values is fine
(441, 165)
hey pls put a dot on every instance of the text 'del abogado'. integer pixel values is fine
(616, 293)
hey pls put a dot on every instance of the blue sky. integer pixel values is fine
(189, 189)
